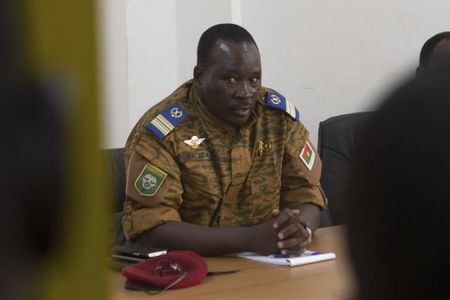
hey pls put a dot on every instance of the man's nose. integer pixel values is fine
(244, 91)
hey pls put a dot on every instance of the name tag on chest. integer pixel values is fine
(197, 155)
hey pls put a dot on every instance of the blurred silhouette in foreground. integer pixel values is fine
(30, 184)
(400, 199)
(54, 201)
(30, 168)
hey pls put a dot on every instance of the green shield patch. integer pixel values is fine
(150, 180)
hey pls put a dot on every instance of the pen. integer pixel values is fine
(311, 253)
(279, 256)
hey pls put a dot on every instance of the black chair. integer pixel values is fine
(336, 147)
(116, 178)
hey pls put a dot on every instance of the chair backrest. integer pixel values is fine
(336, 147)
(116, 179)
(116, 176)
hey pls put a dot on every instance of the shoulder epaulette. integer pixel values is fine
(280, 102)
(167, 120)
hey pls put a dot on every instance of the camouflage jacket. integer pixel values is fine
(183, 164)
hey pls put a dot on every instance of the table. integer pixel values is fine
(323, 280)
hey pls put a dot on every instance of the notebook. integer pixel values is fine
(307, 257)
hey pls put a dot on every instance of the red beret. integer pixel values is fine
(163, 270)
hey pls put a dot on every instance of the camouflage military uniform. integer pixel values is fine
(205, 172)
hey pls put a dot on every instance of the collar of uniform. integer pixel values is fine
(212, 120)
(262, 95)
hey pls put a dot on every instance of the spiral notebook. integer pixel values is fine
(308, 257)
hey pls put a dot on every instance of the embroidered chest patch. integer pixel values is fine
(194, 142)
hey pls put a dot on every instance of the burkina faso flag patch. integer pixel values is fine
(307, 155)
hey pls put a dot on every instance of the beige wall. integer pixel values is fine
(328, 56)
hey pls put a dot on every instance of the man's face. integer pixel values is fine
(230, 82)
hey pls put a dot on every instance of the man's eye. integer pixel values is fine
(254, 80)
(231, 80)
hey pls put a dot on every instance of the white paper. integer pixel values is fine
(307, 257)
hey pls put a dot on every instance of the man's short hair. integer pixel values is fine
(428, 47)
(226, 32)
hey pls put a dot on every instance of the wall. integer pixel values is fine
(113, 62)
(329, 57)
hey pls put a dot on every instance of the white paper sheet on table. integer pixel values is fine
(307, 257)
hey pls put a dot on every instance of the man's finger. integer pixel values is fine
(275, 212)
(303, 221)
(289, 231)
(290, 244)
(294, 249)
(285, 215)
(304, 244)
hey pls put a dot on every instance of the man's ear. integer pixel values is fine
(198, 72)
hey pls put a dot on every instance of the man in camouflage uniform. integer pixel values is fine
(210, 167)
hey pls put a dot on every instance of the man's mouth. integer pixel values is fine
(241, 111)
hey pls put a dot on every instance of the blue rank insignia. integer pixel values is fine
(278, 101)
(167, 120)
